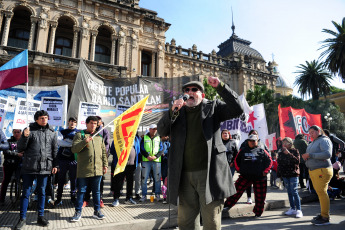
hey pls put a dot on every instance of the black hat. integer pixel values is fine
(194, 83)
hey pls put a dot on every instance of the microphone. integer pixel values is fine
(185, 97)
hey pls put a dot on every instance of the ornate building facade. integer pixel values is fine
(117, 38)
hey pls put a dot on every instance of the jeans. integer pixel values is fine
(146, 168)
(94, 183)
(71, 167)
(41, 192)
(137, 179)
(291, 184)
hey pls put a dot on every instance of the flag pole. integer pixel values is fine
(27, 104)
(104, 127)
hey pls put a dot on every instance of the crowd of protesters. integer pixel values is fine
(38, 152)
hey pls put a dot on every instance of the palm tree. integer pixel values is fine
(313, 80)
(260, 94)
(335, 52)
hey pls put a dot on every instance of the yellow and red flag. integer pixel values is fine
(126, 126)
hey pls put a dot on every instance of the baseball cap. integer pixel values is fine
(153, 126)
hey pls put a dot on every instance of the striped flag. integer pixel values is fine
(15, 71)
(126, 126)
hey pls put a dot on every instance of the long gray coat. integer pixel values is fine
(219, 183)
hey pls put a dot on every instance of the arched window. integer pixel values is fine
(19, 38)
(102, 53)
(63, 46)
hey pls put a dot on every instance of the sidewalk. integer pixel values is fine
(142, 216)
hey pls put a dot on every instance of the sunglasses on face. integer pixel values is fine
(194, 89)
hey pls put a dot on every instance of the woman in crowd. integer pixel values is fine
(231, 149)
(318, 161)
(288, 169)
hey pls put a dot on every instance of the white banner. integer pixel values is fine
(20, 121)
(55, 108)
(253, 117)
(271, 142)
(3, 110)
(87, 109)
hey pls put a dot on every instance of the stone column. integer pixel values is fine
(113, 49)
(75, 41)
(122, 49)
(153, 64)
(6, 31)
(52, 37)
(32, 33)
(1, 19)
(37, 76)
(134, 66)
(160, 61)
(93, 45)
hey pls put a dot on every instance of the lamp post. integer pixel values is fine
(328, 118)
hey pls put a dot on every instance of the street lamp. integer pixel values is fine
(328, 118)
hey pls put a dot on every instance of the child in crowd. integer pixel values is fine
(274, 169)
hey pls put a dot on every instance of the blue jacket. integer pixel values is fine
(136, 145)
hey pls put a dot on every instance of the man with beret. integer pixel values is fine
(200, 175)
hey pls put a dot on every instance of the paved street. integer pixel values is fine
(275, 219)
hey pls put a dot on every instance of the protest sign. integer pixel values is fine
(20, 117)
(86, 109)
(55, 109)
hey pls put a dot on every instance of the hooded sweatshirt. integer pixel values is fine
(320, 152)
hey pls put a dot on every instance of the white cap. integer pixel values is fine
(153, 126)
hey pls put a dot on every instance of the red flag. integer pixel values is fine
(296, 121)
(15, 71)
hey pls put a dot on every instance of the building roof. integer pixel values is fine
(281, 82)
(237, 45)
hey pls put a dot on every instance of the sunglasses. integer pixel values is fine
(194, 89)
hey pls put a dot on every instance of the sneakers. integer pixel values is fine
(165, 201)
(115, 203)
(98, 215)
(158, 197)
(76, 217)
(21, 224)
(42, 221)
(249, 201)
(57, 203)
(299, 214)
(101, 204)
(137, 197)
(291, 212)
(142, 199)
(321, 221)
(67, 186)
(130, 201)
(85, 204)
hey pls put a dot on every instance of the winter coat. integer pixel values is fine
(301, 145)
(320, 153)
(219, 183)
(231, 150)
(288, 164)
(91, 157)
(40, 149)
(11, 155)
(251, 163)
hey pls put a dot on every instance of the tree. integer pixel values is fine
(313, 80)
(260, 94)
(335, 52)
(210, 92)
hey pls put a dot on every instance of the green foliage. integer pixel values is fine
(335, 49)
(210, 92)
(335, 90)
(313, 80)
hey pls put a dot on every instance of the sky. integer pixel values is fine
(290, 30)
